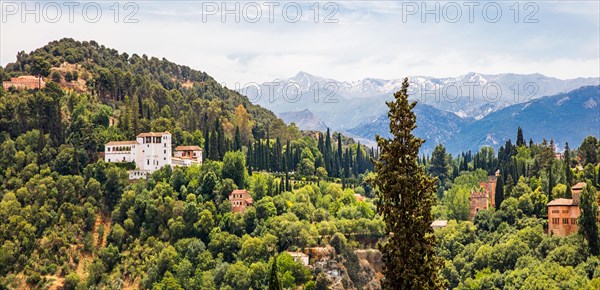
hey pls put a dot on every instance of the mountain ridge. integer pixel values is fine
(551, 117)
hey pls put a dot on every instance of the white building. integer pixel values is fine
(187, 155)
(150, 152)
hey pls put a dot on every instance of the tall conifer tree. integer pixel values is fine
(406, 195)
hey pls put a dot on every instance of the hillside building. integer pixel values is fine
(150, 152)
(563, 213)
(240, 199)
(484, 199)
(24, 82)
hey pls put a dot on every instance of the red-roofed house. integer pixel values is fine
(564, 212)
(188, 154)
(240, 199)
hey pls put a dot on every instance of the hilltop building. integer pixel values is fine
(484, 199)
(299, 257)
(564, 212)
(240, 200)
(150, 152)
(24, 82)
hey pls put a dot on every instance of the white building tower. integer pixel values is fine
(155, 151)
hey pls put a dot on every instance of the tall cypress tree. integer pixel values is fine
(588, 220)
(338, 164)
(221, 142)
(206, 143)
(250, 157)
(327, 154)
(499, 194)
(274, 283)
(237, 144)
(406, 195)
(568, 172)
(214, 146)
(268, 152)
(520, 140)
(550, 181)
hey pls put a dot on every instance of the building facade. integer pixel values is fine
(24, 82)
(150, 152)
(484, 198)
(240, 199)
(563, 213)
(187, 155)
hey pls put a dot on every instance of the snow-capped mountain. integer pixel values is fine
(305, 120)
(346, 104)
(566, 117)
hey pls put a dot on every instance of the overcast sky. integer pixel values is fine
(348, 40)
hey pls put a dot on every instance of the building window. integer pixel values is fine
(108, 149)
(165, 144)
(108, 159)
(165, 151)
(573, 221)
(148, 162)
(555, 211)
(565, 221)
(555, 221)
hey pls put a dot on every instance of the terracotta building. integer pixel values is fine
(240, 199)
(478, 200)
(484, 199)
(24, 82)
(564, 212)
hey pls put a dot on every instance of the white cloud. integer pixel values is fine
(370, 40)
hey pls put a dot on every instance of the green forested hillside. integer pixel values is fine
(69, 220)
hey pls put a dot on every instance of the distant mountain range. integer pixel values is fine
(304, 119)
(463, 112)
(566, 117)
(343, 105)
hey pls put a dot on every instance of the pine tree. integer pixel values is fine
(499, 194)
(439, 166)
(274, 283)
(406, 195)
(588, 220)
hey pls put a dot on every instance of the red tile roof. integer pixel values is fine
(153, 134)
(188, 148)
(122, 143)
(561, 201)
